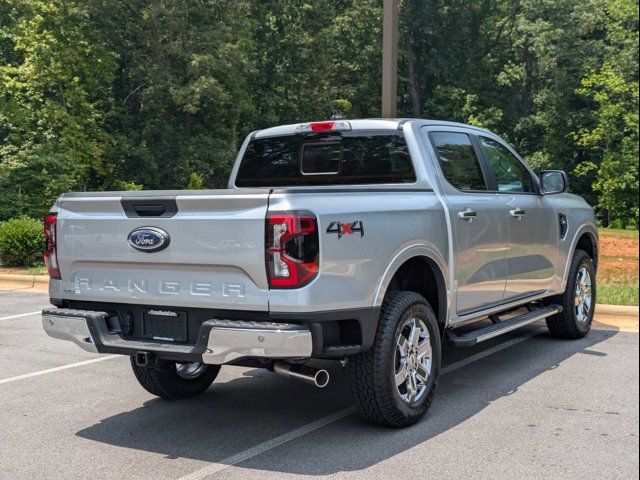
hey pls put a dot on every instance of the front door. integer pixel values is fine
(479, 222)
(532, 223)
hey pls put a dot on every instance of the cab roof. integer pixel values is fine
(359, 124)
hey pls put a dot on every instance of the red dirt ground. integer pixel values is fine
(618, 260)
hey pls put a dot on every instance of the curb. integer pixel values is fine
(26, 280)
(623, 310)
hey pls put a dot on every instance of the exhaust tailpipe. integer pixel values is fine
(314, 376)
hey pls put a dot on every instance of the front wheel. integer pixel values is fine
(394, 383)
(578, 301)
(173, 381)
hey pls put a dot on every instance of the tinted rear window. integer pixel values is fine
(336, 158)
(458, 160)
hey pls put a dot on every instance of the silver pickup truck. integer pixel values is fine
(369, 242)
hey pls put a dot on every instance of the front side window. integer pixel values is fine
(458, 159)
(512, 176)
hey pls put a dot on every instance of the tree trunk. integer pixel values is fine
(527, 58)
(414, 81)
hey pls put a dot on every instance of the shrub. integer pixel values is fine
(21, 242)
(196, 182)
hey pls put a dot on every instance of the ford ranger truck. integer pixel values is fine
(369, 242)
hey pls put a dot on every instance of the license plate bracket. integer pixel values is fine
(164, 325)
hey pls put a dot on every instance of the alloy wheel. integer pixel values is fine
(413, 360)
(583, 295)
(190, 370)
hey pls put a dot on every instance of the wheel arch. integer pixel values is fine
(585, 238)
(419, 269)
(589, 243)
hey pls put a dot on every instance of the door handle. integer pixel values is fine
(468, 215)
(517, 212)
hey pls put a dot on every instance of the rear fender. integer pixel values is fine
(407, 252)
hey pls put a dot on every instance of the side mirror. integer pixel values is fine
(554, 181)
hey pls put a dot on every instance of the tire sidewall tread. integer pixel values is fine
(565, 324)
(371, 373)
(167, 384)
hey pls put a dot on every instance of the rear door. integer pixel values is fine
(213, 255)
(479, 223)
(532, 222)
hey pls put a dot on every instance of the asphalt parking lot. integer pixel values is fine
(522, 406)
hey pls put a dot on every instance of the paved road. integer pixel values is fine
(523, 406)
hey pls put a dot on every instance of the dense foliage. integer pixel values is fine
(21, 242)
(111, 94)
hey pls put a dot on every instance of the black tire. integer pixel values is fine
(566, 324)
(372, 373)
(164, 381)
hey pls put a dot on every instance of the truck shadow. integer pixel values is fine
(258, 406)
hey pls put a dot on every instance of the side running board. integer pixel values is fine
(476, 336)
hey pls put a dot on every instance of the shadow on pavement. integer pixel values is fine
(233, 416)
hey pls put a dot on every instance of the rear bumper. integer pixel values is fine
(335, 333)
(67, 326)
(219, 341)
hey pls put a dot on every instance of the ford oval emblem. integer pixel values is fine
(148, 239)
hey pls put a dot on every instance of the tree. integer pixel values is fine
(612, 135)
(113, 95)
(51, 98)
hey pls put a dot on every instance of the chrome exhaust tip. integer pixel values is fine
(314, 376)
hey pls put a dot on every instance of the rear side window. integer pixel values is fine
(336, 158)
(458, 159)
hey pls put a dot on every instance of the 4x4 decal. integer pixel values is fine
(346, 228)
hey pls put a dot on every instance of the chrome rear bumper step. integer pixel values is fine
(219, 341)
(70, 325)
(233, 339)
(474, 337)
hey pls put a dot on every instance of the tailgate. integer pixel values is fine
(214, 257)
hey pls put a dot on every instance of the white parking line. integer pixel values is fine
(20, 315)
(490, 351)
(216, 467)
(57, 369)
(268, 445)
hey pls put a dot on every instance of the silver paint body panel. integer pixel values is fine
(216, 255)
(215, 258)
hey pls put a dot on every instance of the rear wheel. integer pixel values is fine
(578, 300)
(173, 381)
(394, 383)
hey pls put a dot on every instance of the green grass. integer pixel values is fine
(41, 270)
(618, 233)
(622, 281)
(618, 294)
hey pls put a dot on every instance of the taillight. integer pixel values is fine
(51, 254)
(292, 249)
